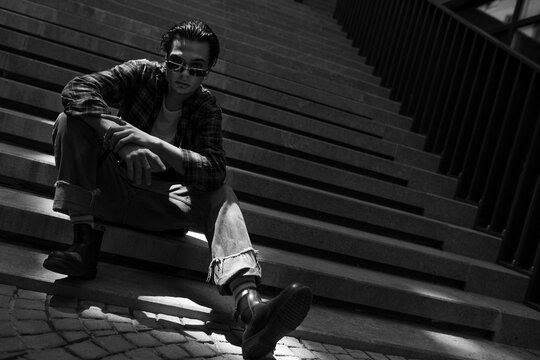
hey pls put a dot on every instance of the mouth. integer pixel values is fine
(182, 84)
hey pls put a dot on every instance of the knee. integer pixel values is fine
(68, 129)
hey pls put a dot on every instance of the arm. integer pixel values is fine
(203, 165)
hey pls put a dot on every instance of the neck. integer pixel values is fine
(173, 101)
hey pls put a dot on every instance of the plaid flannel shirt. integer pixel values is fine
(137, 89)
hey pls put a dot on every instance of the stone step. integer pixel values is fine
(404, 155)
(174, 295)
(36, 167)
(302, 62)
(300, 199)
(222, 20)
(296, 169)
(56, 52)
(28, 215)
(382, 115)
(273, 29)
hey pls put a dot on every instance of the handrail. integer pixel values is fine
(476, 102)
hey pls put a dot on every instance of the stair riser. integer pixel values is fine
(306, 198)
(276, 274)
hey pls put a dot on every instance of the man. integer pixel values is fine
(160, 165)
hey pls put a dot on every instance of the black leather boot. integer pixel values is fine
(268, 322)
(81, 258)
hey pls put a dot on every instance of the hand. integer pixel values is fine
(124, 133)
(140, 162)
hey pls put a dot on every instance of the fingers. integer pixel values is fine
(130, 170)
(156, 163)
(116, 145)
(147, 169)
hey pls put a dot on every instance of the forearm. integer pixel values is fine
(98, 124)
(169, 153)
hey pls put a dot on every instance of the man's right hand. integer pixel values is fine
(140, 163)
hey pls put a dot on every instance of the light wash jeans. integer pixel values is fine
(91, 181)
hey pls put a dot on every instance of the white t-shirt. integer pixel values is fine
(166, 123)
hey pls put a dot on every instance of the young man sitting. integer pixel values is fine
(160, 165)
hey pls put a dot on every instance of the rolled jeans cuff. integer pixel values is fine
(223, 269)
(69, 198)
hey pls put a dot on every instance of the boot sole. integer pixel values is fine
(284, 320)
(62, 266)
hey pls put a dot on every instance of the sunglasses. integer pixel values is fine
(171, 65)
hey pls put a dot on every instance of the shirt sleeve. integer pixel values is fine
(205, 164)
(92, 94)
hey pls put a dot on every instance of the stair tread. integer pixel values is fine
(172, 295)
(277, 263)
(335, 204)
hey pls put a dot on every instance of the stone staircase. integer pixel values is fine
(337, 193)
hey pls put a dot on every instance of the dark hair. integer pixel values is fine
(193, 30)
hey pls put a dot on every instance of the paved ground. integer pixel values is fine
(35, 325)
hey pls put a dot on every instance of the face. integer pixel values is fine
(193, 54)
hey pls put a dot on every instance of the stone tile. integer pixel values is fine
(324, 355)
(62, 313)
(376, 356)
(334, 349)
(28, 294)
(359, 354)
(197, 349)
(343, 357)
(172, 352)
(32, 304)
(200, 336)
(118, 318)
(123, 327)
(4, 301)
(50, 354)
(32, 327)
(143, 354)
(95, 324)
(99, 333)
(227, 348)
(170, 321)
(232, 357)
(68, 324)
(74, 336)
(117, 357)
(114, 344)
(87, 350)
(11, 343)
(168, 336)
(312, 345)
(4, 315)
(282, 350)
(92, 311)
(27, 314)
(43, 341)
(142, 339)
(6, 329)
(146, 324)
(303, 353)
(7, 290)
(290, 341)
